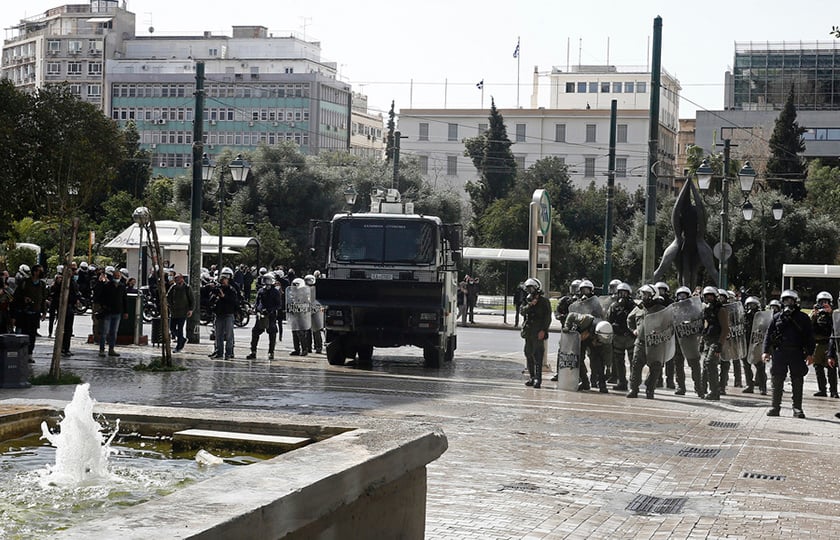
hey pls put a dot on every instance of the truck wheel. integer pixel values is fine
(432, 356)
(365, 353)
(335, 353)
(450, 349)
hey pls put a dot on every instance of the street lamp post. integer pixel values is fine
(777, 211)
(239, 169)
(141, 217)
(350, 197)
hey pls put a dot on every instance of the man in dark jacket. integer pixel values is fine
(29, 306)
(109, 293)
(225, 300)
(537, 312)
(180, 309)
(790, 344)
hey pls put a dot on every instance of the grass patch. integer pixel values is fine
(156, 365)
(46, 379)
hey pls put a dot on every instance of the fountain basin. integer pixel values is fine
(363, 479)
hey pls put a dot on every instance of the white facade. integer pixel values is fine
(578, 137)
(367, 130)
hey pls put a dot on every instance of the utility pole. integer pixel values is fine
(395, 183)
(653, 152)
(608, 225)
(193, 324)
(724, 219)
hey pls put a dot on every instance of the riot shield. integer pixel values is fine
(606, 302)
(568, 361)
(658, 331)
(590, 306)
(736, 345)
(298, 307)
(688, 325)
(317, 311)
(761, 322)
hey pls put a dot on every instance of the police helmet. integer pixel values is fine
(573, 288)
(279, 274)
(59, 269)
(309, 279)
(267, 278)
(775, 304)
(683, 290)
(825, 295)
(730, 295)
(614, 285)
(206, 277)
(317, 274)
(752, 301)
(710, 290)
(647, 290)
(226, 272)
(298, 282)
(533, 282)
(586, 284)
(263, 270)
(790, 293)
(109, 270)
(662, 285)
(624, 287)
(124, 272)
(604, 331)
(83, 265)
(24, 270)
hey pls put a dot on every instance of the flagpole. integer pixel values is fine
(518, 59)
(482, 96)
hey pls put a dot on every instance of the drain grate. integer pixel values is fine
(762, 476)
(699, 452)
(716, 423)
(528, 487)
(746, 403)
(801, 433)
(649, 504)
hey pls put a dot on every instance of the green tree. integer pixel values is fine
(134, 172)
(490, 153)
(389, 139)
(786, 168)
(159, 197)
(19, 150)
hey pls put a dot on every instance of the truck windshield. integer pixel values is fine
(384, 241)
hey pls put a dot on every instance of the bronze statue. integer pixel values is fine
(689, 249)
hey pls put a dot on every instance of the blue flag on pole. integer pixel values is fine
(516, 50)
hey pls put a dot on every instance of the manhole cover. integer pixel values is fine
(527, 487)
(762, 476)
(699, 452)
(746, 403)
(716, 423)
(649, 504)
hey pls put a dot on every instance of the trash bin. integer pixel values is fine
(126, 329)
(14, 361)
(157, 332)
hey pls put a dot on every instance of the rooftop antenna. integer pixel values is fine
(149, 18)
(306, 21)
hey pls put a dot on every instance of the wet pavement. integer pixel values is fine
(526, 463)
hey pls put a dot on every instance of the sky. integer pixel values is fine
(431, 54)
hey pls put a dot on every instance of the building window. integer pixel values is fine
(605, 87)
(629, 88)
(213, 51)
(589, 167)
(289, 70)
(482, 129)
(559, 132)
(621, 167)
(54, 46)
(94, 90)
(424, 131)
(593, 88)
(520, 132)
(74, 68)
(451, 165)
(95, 45)
(53, 68)
(76, 89)
(581, 87)
(641, 87)
(95, 68)
(591, 131)
(424, 164)
(621, 133)
(570, 88)
(452, 133)
(520, 162)
(616, 88)
(74, 46)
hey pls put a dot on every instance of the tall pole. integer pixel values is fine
(653, 151)
(517, 72)
(395, 181)
(608, 224)
(221, 219)
(64, 299)
(195, 205)
(138, 302)
(763, 262)
(724, 218)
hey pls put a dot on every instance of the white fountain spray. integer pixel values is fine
(81, 451)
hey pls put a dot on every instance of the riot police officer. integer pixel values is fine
(613, 290)
(664, 292)
(651, 303)
(623, 338)
(585, 289)
(565, 301)
(268, 304)
(715, 334)
(536, 309)
(585, 324)
(683, 354)
(751, 307)
(790, 344)
(823, 324)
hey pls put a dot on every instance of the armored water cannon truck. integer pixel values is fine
(390, 281)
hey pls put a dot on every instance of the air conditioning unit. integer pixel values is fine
(211, 146)
(212, 122)
(251, 124)
(275, 124)
(162, 122)
(154, 145)
(187, 165)
(162, 164)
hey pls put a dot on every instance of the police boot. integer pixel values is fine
(724, 378)
(832, 381)
(272, 341)
(252, 356)
(736, 373)
(778, 390)
(669, 375)
(538, 364)
(748, 375)
(820, 370)
(796, 386)
(713, 378)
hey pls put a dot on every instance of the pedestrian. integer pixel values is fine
(225, 301)
(29, 306)
(109, 293)
(267, 306)
(518, 296)
(6, 299)
(462, 302)
(55, 297)
(180, 301)
(472, 297)
(715, 334)
(823, 324)
(789, 343)
(623, 338)
(536, 310)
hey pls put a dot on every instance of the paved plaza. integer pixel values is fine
(526, 463)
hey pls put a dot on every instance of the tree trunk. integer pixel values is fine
(66, 277)
(166, 338)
